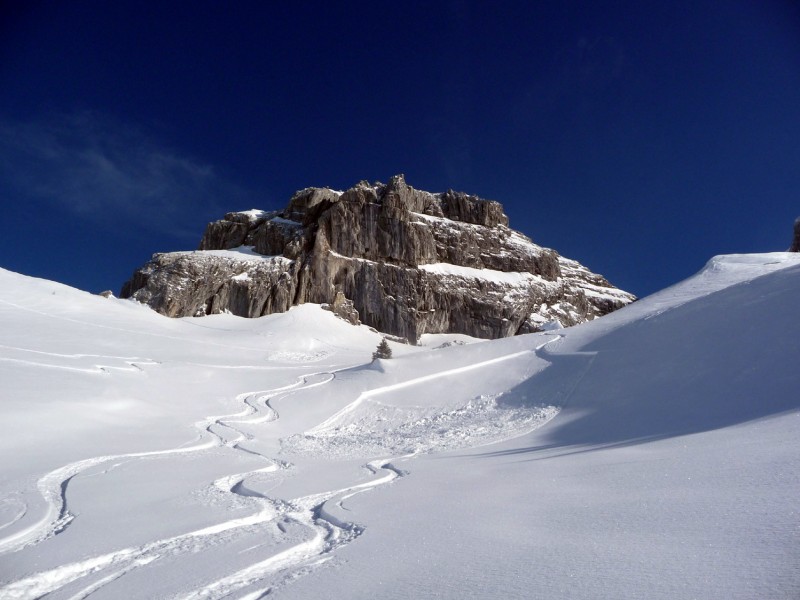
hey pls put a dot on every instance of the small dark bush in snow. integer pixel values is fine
(383, 350)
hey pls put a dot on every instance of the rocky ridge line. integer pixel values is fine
(404, 261)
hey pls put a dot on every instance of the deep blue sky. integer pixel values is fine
(640, 138)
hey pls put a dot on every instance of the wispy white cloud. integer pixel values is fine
(110, 173)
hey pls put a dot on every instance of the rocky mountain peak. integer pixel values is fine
(407, 262)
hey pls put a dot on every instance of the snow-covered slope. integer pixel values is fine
(649, 454)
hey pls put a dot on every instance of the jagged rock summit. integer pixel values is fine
(401, 260)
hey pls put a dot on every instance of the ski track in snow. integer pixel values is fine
(135, 363)
(369, 427)
(333, 420)
(330, 533)
(128, 363)
(311, 512)
(316, 513)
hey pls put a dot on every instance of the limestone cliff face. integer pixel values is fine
(409, 261)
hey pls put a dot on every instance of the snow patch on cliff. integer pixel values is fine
(498, 277)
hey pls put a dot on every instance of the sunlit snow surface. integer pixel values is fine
(652, 453)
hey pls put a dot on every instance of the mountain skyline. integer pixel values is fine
(639, 140)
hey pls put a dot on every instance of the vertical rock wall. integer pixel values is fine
(410, 262)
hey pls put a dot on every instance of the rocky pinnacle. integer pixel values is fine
(401, 260)
(796, 241)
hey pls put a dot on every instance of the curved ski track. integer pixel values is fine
(316, 512)
(328, 531)
(332, 421)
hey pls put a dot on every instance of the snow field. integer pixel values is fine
(650, 453)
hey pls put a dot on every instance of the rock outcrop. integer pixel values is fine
(403, 261)
(795, 247)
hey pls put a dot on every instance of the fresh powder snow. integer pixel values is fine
(651, 453)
